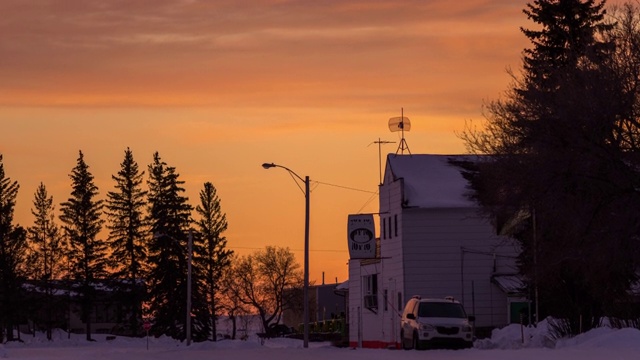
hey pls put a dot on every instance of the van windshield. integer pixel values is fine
(442, 310)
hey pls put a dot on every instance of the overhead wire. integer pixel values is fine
(345, 187)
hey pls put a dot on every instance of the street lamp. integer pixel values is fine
(306, 248)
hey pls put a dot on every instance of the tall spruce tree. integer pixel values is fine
(127, 239)
(169, 218)
(556, 157)
(46, 253)
(215, 257)
(12, 257)
(81, 216)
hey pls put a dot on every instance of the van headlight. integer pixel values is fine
(427, 327)
(466, 328)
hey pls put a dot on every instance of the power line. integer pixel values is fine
(297, 250)
(367, 202)
(328, 184)
(344, 187)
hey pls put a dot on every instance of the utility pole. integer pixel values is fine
(380, 142)
(189, 256)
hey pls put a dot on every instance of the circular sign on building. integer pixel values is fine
(361, 236)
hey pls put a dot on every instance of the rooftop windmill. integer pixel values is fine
(401, 123)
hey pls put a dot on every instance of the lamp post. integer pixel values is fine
(306, 248)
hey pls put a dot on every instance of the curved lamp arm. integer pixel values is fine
(272, 165)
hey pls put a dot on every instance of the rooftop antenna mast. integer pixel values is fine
(401, 124)
(380, 142)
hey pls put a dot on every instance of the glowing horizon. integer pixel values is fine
(218, 88)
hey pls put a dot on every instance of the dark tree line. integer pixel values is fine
(127, 235)
(46, 252)
(144, 258)
(214, 256)
(563, 175)
(87, 253)
(12, 251)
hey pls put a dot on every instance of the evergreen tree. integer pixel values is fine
(46, 251)
(215, 256)
(127, 242)
(169, 218)
(568, 39)
(82, 224)
(12, 256)
(556, 156)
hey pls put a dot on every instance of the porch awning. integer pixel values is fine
(510, 284)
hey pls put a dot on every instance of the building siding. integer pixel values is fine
(435, 252)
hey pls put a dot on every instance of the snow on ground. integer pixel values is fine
(505, 344)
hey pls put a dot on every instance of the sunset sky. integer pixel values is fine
(220, 87)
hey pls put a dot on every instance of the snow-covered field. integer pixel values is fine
(602, 343)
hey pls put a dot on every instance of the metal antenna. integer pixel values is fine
(380, 142)
(401, 123)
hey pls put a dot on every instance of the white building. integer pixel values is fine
(433, 242)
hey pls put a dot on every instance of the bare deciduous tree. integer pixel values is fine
(267, 281)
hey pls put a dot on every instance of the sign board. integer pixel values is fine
(361, 235)
(146, 326)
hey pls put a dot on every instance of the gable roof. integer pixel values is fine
(431, 181)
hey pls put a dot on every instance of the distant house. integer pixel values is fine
(326, 302)
(432, 242)
(59, 303)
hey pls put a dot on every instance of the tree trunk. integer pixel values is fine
(214, 329)
(233, 326)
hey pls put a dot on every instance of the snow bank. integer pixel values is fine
(505, 344)
(604, 337)
(516, 336)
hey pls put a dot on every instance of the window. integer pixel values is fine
(371, 284)
(444, 310)
(370, 289)
(395, 223)
(384, 228)
(386, 299)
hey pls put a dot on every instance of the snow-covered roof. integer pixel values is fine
(63, 287)
(343, 286)
(431, 181)
(509, 283)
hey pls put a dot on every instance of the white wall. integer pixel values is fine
(361, 320)
(454, 252)
(435, 253)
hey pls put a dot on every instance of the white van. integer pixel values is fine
(434, 323)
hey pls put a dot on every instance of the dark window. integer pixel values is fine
(386, 299)
(395, 223)
(371, 291)
(444, 310)
(384, 228)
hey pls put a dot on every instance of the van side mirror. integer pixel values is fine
(471, 318)
(411, 316)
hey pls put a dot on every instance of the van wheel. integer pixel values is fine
(404, 341)
(416, 341)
